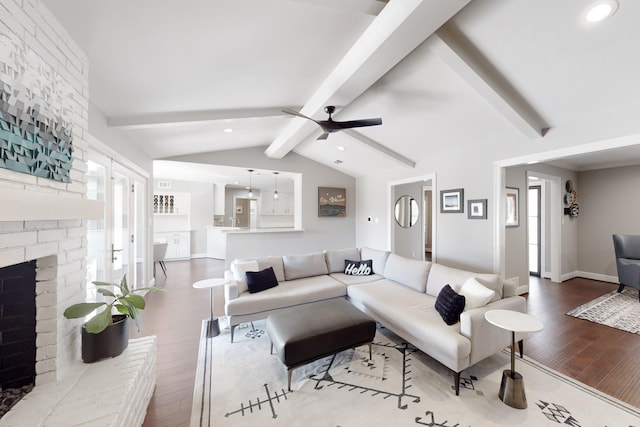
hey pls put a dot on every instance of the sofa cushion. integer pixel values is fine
(476, 295)
(412, 315)
(299, 266)
(239, 269)
(286, 294)
(258, 281)
(449, 304)
(441, 275)
(335, 258)
(274, 262)
(378, 257)
(352, 280)
(358, 268)
(407, 271)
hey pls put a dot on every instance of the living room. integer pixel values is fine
(459, 101)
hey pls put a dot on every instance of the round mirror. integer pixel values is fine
(406, 211)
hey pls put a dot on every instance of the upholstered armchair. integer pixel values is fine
(627, 249)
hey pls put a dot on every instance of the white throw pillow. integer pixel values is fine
(476, 294)
(239, 270)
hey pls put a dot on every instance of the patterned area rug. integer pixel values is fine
(617, 310)
(241, 384)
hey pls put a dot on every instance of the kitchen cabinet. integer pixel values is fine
(179, 243)
(283, 205)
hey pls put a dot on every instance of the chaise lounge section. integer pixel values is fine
(400, 293)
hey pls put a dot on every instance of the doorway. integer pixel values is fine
(415, 239)
(427, 225)
(117, 242)
(535, 229)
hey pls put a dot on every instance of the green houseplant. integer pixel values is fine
(107, 334)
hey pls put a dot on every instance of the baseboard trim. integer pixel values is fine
(589, 275)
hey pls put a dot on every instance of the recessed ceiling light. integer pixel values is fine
(341, 148)
(228, 130)
(601, 10)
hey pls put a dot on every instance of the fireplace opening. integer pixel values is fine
(17, 333)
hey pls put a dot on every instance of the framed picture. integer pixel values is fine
(452, 201)
(332, 202)
(513, 206)
(477, 209)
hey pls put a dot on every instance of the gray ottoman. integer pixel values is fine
(312, 331)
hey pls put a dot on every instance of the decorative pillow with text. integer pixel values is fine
(358, 268)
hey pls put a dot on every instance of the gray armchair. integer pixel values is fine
(627, 249)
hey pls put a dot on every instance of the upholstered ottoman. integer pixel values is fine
(308, 332)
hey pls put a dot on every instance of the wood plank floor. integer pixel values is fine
(602, 357)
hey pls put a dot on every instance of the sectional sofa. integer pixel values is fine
(400, 294)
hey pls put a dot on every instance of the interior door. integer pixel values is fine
(117, 243)
(121, 236)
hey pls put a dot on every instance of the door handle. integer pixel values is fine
(113, 253)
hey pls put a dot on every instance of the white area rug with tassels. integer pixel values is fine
(616, 310)
(241, 384)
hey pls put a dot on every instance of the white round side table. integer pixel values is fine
(512, 385)
(213, 328)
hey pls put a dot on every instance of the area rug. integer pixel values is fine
(242, 384)
(617, 310)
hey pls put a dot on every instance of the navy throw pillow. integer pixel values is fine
(449, 304)
(358, 268)
(258, 281)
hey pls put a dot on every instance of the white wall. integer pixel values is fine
(608, 205)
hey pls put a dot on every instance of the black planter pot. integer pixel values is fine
(109, 343)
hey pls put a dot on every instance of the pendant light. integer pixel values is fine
(250, 189)
(275, 193)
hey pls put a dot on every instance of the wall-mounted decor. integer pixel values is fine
(332, 202)
(512, 206)
(571, 200)
(477, 209)
(452, 201)
(36, 113)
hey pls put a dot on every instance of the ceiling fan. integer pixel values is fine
(329, 126)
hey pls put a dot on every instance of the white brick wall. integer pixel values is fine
(29, 30)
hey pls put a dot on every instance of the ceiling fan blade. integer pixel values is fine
(358, 123)
(325, 135)
(295, 113)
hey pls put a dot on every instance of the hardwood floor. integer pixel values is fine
(175, 317)
(602, 357)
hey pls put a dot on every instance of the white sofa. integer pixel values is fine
(400, 294)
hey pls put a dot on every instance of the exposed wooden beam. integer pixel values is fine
(399, 28)
(381, 149)
(464, 59)
(177, 117)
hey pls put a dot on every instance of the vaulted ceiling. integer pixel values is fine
(442, 74)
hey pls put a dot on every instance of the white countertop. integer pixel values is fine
(241, 230)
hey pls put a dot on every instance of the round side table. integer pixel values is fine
(213, 328)
(512, 385)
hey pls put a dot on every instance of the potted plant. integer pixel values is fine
(107, 334)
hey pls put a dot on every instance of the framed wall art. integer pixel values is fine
(452, 201)
(512, 200)
(332, 202)
(477, 209)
